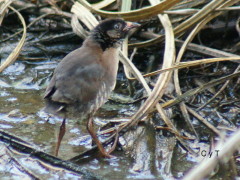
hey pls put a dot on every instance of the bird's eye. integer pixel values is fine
(116, 26)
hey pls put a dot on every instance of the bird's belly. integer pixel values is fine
(90, 107)
(101, 97)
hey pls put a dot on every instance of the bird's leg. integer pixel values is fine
(62, 131)
(95, 138)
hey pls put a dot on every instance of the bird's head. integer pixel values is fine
(111, 32)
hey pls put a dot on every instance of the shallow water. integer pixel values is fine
(22, 87)
(156, 155)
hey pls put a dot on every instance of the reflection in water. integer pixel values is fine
(21, 88)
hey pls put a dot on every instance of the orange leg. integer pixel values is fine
(95, 138)
(62, 131)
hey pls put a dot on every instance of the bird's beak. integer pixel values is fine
(130, 25)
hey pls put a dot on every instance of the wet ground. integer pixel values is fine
(22, 86)
(143, 153)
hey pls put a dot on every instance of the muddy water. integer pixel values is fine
(22, 87)
(155, 155)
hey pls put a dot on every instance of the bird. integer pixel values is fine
(83, 80)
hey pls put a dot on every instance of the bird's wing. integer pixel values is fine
(76, 79)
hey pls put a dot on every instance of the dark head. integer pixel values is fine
(111, 32)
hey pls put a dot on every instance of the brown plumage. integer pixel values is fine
(84, 79)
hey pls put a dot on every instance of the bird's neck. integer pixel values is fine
(105, 41)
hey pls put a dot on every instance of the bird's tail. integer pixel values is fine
(54, 107)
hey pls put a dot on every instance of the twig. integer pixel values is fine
(20, 146)
(218, 92)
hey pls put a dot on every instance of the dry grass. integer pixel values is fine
(178, 18)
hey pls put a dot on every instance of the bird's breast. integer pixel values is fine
(110, 61)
